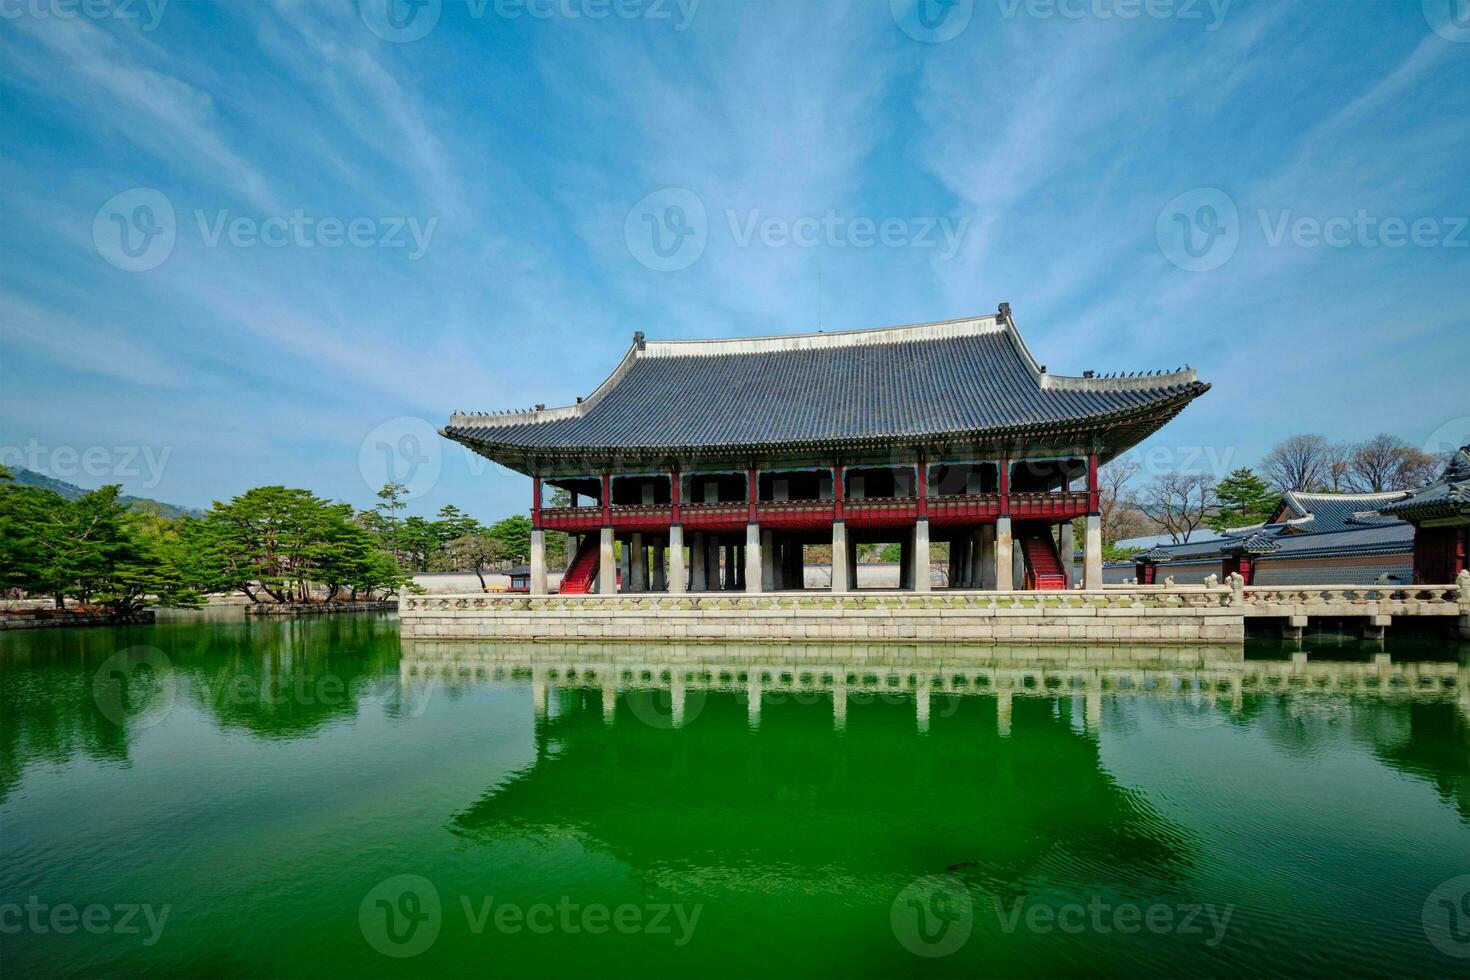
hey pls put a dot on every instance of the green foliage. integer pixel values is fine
(284, 541)
(1245, 499)
(91, 549)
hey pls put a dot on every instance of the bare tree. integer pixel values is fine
(1386, 462)
(1181, 502)
(1337, 468)
(1299, 462)
(1115, 498)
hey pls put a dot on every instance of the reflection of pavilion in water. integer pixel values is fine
(719, 771)
(1218, 677)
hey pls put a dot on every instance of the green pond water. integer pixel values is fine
(209, 796)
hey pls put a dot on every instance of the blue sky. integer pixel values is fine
(371, 228)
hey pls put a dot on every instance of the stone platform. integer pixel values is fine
(1200, 615)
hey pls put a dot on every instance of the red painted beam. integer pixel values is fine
(1092, 493)
(1005, 487)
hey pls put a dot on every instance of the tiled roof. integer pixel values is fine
(868, 387)
(1339, 511)
(1392, 538)
(1447, 496)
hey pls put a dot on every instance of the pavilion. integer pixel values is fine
(743, 451)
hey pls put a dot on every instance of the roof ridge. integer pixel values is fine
(822, 339)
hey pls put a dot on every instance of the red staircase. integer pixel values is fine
(1044, 570)
(583, 570)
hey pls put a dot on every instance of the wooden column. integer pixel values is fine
(1093, 497)
(607, 500)
(535, 502)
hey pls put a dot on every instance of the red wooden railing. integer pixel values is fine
(969, 508)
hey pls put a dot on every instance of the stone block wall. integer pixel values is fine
(1026, 617)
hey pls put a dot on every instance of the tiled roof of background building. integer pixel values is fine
(1448, 495)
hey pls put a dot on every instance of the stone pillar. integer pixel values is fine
(1004, 564)
(921, 574)
(625, 566)
(698, 562)
(712, 561)
(572, 546)
(660, 581)
(793, 568)
(1018, 568)
(1092, 576)
(637, 562)
(975, 575)
(732, 581)
(607, 580)
(677, 583)
(755, 568)
(1066, 548)
(839, 557)
(538, 561)
(987, 557)
(954, 563)
(768, 561)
